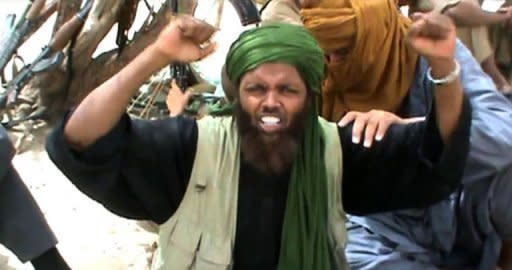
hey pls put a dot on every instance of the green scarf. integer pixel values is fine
(304, 242)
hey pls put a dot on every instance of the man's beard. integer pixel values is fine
(270, 154)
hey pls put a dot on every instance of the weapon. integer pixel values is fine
(11, 40)
(125, 20)
(247, 11)
(179, 71)
(49, 57)
(7, 24)
(5, 28)
(183, 75)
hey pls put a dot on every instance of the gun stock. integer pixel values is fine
(61, 38)
(178, 70)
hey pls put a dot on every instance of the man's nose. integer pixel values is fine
(271, 100)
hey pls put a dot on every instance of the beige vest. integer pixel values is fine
(201, 234)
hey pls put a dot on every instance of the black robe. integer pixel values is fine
(141, 169)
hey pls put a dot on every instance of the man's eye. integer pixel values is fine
(255, 88)
(289, 90)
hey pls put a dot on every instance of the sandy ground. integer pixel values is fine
(89, 236)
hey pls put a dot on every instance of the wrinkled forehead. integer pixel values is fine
(274, 73)
(268, 73)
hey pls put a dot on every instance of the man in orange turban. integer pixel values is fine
(370, 65)
(371, 68)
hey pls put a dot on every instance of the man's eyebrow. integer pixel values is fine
(253, 83)
(257, 80)
(292, 85)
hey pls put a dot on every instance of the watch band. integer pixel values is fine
(448, 78)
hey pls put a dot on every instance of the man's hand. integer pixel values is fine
(374, 123)
(185, 39)
(177, 100)
(433, 36)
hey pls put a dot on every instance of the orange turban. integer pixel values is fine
(379, 67)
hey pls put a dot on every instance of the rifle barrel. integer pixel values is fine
(10, 44)
(58, 43)
(12, 41)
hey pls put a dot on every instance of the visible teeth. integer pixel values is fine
(270, 120)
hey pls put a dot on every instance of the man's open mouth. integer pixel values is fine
(270, 123)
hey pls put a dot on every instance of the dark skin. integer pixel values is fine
(271, 90)
(273, 102)
(272, 94)
(438, 27)
(428, 30)
(505, 262)
(433, 36)
(275, 90)
(177, 100)
(183, 40)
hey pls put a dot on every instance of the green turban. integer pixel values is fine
(278, 42)
(304, 243)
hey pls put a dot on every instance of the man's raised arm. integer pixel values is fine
(99, 112)
(419, 163)
(434, 37)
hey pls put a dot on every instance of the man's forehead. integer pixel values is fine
(273, 68)
(274, 72)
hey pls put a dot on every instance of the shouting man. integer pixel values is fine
(268, 187)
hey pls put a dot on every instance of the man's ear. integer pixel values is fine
(229, 87)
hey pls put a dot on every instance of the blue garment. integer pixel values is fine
(464, 231)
